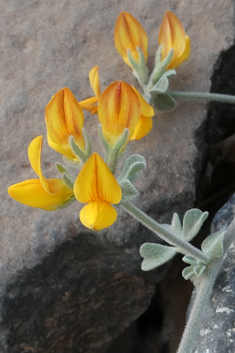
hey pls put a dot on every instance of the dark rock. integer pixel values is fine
(79, 298)
(221, 123)
(224, 216)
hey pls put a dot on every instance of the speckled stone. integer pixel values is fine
(224, 216)
(217, 330)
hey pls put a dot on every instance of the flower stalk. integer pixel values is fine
(212, 97)
(182, 246)
(114, 152)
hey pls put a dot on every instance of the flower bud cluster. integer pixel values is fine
(174, 48)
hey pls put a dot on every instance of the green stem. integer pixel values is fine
(183, 246)
(203, 294)
(216, 97)
(111, 159)
(114, 152)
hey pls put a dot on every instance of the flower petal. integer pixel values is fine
(129, 34)
(98, 215)
(96, 182)
(58, 188)
(143, 127)
(94, 110)
(55, 187)
(31, 193)
(184, 56)
(146, 109)
(94, 81)
(34, 155)
(118, 109)
(64, 118)
(89, 104)
(65, 150)
(172, 35)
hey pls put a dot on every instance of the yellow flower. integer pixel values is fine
(91, 104)
(118, 109)
(172, 35)
(145, 122)
(96, 186)
(64, 118)
(48, 194)
(129, 34)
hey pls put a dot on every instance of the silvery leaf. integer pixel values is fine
(155, 255)
(192, 222)
(213, 246)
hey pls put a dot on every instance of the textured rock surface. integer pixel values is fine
(216, 331)
(61, 286)
(218, 185)
(160, 328)
(221, 116)
(74, 299)
(224, 216)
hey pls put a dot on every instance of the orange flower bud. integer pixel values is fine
(119, 109)
(172, 36)
(129, 34)
(64, 118)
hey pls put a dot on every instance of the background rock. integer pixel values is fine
(58, 281)
(217, 182)
(216, 329)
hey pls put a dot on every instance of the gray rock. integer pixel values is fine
(62, 287)
(224, 216)
(74, 299)
(216, 330)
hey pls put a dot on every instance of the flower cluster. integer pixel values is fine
(119, 109)
(123, 113)
(131, 40)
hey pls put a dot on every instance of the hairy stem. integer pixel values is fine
(182, 246)
(216, 97)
